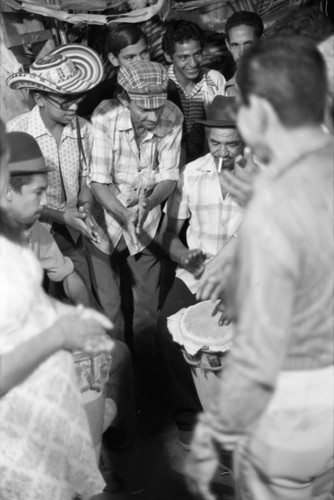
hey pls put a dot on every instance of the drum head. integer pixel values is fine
(201, 331)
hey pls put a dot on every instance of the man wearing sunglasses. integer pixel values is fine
(57, 84)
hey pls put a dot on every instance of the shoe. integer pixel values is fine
(116, 439)
(185, 438)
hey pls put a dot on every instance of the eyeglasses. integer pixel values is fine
(64, 104)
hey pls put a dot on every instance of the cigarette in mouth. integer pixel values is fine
(220, 162)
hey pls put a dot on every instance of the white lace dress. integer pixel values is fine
(45, 446)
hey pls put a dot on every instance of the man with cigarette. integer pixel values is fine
(214, 218)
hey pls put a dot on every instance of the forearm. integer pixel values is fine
(76, 290)
(53, 215)
(173, 246)
(17, 365)
(107, 198)
(85, 197)
(161, 192)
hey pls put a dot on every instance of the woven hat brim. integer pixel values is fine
(89, 67)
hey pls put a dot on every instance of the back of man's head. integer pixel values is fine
(288, 72)
(244, 18)
(181, 31)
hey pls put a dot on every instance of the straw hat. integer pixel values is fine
(69, 69)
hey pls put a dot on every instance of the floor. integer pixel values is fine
(152, 467)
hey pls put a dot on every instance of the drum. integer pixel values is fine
(204, 343)
(93, 374)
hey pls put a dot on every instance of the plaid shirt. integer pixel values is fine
(117, 160)
(64, 182)
(213, 219)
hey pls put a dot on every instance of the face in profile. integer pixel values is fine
(145, 118)
(27, 204)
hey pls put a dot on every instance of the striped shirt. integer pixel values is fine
(194, 107)
(117, 160)
(213, 218)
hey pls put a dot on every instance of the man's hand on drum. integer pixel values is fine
(212, 283)
(201, 464)
(193, 261)
(225, 316)
(85, 330)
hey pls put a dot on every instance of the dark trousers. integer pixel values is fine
(182, 393)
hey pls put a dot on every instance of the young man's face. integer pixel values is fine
(130, 54)
(145, 118)
(240, 38)
(26, 206)
(57, 108)
(187, 60)
(224, 143)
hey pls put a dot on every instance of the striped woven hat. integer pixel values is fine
(145, 82)
(69, 69)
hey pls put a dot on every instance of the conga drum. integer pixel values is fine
(204, 344)
(93, 374)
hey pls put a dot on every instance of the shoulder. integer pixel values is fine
(19, 123)
(172, 113)
(196, 166)
(215, 78)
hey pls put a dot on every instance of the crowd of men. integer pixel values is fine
(246, 166)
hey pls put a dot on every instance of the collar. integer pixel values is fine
(197, 86)
(36, 126)
(230, 82)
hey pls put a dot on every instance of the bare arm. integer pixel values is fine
(193, 259)
(76, 290)
(159, 194)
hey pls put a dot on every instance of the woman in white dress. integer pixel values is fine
(45, 445)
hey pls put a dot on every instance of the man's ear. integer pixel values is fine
(168, 58)
(227, 45)
(39, 99)
(113, 59)
(8, 194)
(262, 110)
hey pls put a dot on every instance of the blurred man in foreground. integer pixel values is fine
(274, 404)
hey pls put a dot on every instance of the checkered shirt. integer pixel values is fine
(198, 196)
(117, 161)
(63, 189)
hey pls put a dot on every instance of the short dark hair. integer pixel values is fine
(309, 22)
(180, 31)
(18, 181)
(290, 73)
(244, 18)
(121, 36)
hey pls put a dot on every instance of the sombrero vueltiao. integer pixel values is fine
(69, 69)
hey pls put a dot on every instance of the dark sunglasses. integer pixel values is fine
(66, 103)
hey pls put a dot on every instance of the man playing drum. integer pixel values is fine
(214, 218)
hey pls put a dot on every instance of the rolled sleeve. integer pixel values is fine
(100, 167)
(177, 205)
(55, 264)
(169, 155)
